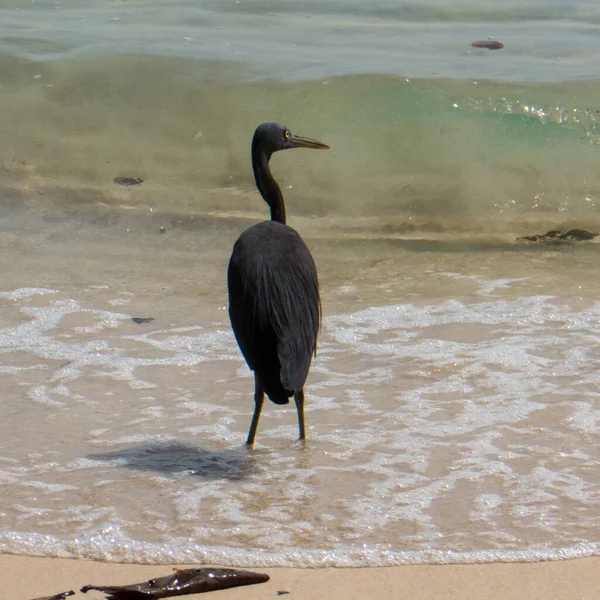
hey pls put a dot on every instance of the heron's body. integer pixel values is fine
(276, 315)
(274, 303)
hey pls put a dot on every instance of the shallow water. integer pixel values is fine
(258, 39)
(452, 407)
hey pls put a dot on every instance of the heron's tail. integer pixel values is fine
(275, 390)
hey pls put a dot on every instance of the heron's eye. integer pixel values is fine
(286, 134)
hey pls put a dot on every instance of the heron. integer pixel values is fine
(274, 302)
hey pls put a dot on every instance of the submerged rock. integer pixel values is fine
(128, 180)
(140, 320)
(489, 44)
(183, 582)
(572, 235)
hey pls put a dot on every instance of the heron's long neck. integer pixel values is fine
(267, 186)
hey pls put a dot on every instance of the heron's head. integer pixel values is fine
(271, 137)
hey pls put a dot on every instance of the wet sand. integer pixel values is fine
(24, 578)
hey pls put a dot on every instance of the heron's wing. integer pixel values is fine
(241, 310)
(292, 290)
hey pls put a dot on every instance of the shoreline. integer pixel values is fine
(26, 578)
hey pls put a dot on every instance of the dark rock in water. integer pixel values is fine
(128, 180)
(489, 44)
(579, 235)
(58, 596)
(140, 320)
(183, 582)
(572, 235)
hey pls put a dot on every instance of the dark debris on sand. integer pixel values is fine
(572, 235)
(183, 582)
(57, 596)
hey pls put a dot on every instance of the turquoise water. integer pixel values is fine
(452, 408)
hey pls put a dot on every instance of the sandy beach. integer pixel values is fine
(24, 578)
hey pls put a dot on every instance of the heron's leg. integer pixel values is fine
(299, 398)
(259, 398)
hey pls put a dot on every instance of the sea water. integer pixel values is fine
(452, 409)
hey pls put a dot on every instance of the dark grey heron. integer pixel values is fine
(274, 302)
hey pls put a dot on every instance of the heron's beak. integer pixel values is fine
(298, 141)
